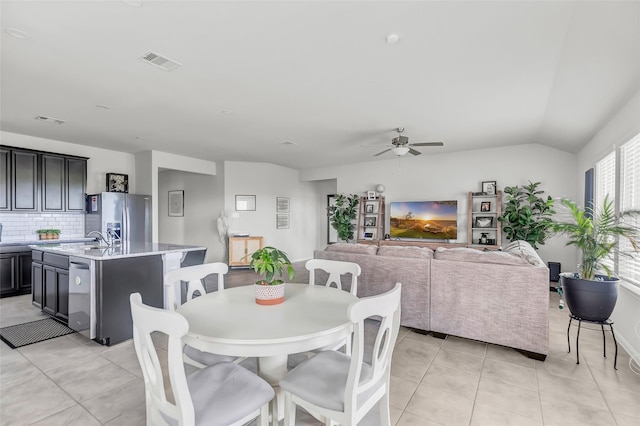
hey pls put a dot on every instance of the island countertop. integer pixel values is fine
(92, 250)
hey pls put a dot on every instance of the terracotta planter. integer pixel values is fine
(269, 294)
(590, 300)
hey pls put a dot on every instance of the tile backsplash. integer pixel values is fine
(18, 227)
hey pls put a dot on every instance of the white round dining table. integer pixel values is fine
(230, 322)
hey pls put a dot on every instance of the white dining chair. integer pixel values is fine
(224, 394)
(343, 388)
(335, 269)
(194, 275)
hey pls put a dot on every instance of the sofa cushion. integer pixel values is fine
(402, 251)
(464, 254)
(353, 248)
(525, 251)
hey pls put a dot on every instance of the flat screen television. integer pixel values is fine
(432, 220)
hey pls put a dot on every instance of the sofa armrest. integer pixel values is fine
(503, 304)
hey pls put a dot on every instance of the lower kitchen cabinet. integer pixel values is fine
(50, 288)
(15, 273)
(36, 284)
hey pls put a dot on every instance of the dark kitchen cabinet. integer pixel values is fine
(36, 284)
(7, 274)
(63, 183)
(53, 183)
(24, 181)
(15, 273)
(51, 284)
(41, 181)
(5, 179)
(76, 184)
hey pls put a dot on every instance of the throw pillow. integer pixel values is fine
(401, 251)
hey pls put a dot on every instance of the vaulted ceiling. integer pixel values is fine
(307, 84)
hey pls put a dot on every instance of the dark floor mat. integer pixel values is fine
(33, 332)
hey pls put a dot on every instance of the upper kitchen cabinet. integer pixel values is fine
(75, 184)
(5, 179)
(63, 183)
(41, 181)
(52, 183)
(24, 191)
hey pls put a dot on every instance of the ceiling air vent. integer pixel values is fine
(50, 119)
(160, 61)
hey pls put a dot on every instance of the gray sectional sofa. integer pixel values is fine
(499, 297)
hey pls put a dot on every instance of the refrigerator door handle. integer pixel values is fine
(125, 230)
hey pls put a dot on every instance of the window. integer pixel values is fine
(622, 184)
(629, 268)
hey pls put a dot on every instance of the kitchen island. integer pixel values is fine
(87, 285)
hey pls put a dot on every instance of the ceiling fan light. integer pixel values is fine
(400, 150)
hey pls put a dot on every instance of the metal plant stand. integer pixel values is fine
(604, 342)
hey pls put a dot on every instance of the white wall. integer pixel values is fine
(622, 127)
(266, 182)
(101, 161)
(148, 165)
(453, 175)
(203, 201)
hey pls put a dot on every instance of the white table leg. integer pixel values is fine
(272, 369)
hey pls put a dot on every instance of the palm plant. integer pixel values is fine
(596, 234)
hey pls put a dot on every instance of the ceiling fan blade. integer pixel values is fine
(375, 146)
(380, 153)
(414, 152)
(427, 144)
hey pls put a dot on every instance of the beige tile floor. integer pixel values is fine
(73, 381)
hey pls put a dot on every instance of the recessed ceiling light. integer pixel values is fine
(14, 32)
(227, 111)
(288, 143)
(103, 106)
(392, 38)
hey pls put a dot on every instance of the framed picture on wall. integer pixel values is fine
(282, 204)
(282, 221)
(176, 203)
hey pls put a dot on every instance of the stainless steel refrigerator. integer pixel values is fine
(126, 215)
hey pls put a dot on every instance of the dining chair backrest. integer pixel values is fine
(385, 307)
(335, 269)
(193, 275)
(147, 320)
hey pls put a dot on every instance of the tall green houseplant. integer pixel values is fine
(596, 235)
(342, 214)
(527, 216)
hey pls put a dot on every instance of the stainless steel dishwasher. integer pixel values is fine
(82, 296)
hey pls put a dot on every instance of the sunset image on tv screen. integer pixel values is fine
(436, 220)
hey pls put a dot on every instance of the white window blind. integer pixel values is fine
(629, 268)
(605, 185)
(605, 179)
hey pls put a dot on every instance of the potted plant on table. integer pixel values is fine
(342, 214)
(527, 216)
(595, 233)
(270, 262)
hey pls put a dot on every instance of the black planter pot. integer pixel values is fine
(590, 300)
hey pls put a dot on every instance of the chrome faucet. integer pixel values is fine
(101, 236)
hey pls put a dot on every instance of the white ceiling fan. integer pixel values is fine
(400, 145)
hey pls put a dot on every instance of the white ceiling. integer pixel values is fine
(318, 74)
